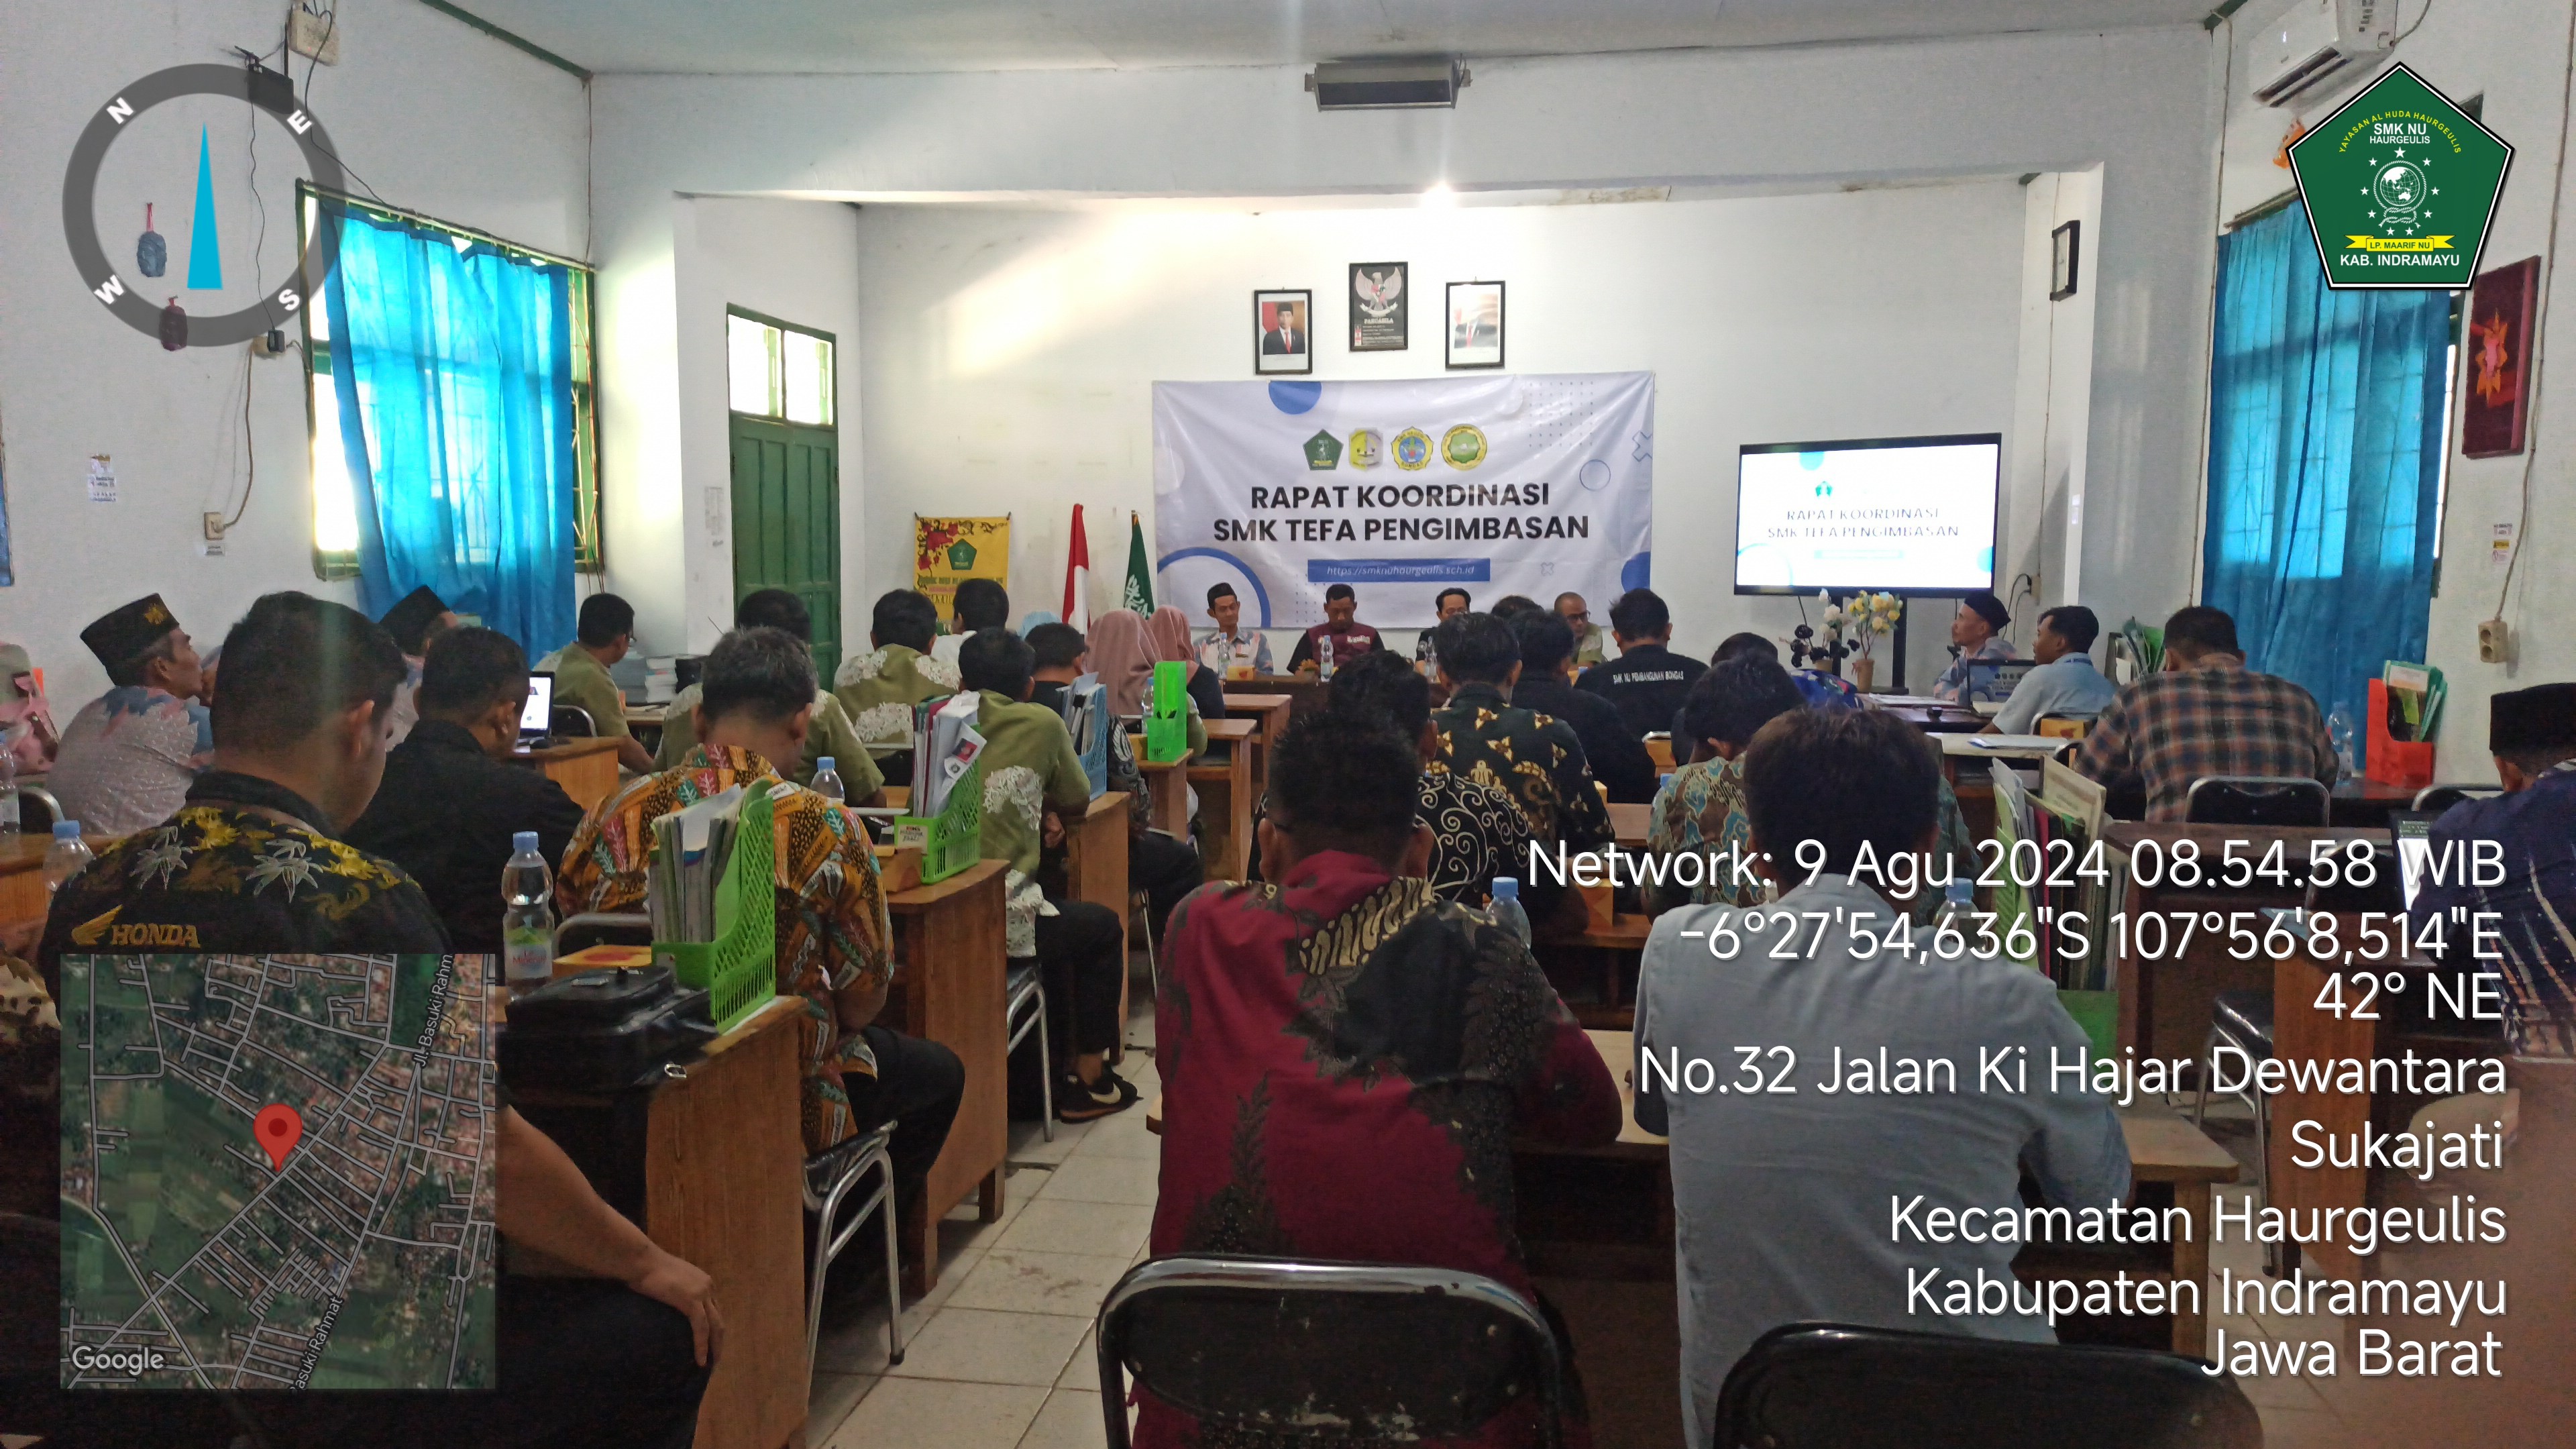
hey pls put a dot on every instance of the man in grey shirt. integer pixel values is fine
(2065, 681)
(1801, 1191)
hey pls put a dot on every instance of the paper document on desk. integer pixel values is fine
(2005, 744)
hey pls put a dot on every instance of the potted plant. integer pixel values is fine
(1869, 617)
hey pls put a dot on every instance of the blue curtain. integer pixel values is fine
(2325, 450)
(453, 366)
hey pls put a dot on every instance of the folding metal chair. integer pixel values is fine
(830, 1179)
(1025, 989)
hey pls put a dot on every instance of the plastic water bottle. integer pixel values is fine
(2339, 729)
(527, 916)
(1959, 905)
(827, 780)
(8, 789)
(1324, 658)
(1507, 908)
(66, 857)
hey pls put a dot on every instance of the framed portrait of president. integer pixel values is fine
(1281, 341)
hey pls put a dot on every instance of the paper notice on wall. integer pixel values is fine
(102, 480)
(2500, 547)
(719, 506)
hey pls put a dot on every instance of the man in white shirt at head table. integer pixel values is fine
(2065, 683)
(1792, 1189)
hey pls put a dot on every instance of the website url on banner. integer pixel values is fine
(1399, 570)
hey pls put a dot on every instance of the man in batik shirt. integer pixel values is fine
(1477, 831)
(1533, 758)
(1340, 1025)
(127, 759)
(833, 941)
(880, 688)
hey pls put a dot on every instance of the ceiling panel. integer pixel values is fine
(791, 36)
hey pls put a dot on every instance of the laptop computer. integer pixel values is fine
(537, 721)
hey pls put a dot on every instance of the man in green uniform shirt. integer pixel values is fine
(580, 668)
(828, 735)
(880, 688)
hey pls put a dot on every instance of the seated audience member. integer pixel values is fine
(27, 733)
(421, 617)
(2532, 735)
(1588, 646)
(1167, 634)
(1163, 868)
(1341, 638)
(1032, 780)
(1700, 810)
(2065, 683)
(605, 634)
(879, 689)
(1781, 1202)
(834, 944)
(1124, 654)
(1477, 830)
(1534, 758)
(1819, 689)
(830, 736)
(1615, 753)
(1310, 1040)
(1647, 680)
(451, 800)
(2205, 714)
(1448, 605)
(980, 604)
(128, 758)
(298, 749)
(1229, 646)
(1976, 638)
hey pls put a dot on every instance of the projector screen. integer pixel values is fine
(1902, 515)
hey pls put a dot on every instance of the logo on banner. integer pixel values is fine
(1413, 450)
(1323, 452)
(1367, 449)
(1463, 446)
(2400, 186)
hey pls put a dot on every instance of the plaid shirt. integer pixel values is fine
(2219, 718)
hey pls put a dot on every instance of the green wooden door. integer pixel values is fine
(787, 522)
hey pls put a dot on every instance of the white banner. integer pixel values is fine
(1497, 485)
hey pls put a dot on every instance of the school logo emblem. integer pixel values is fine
(1463, 446)
(1367, 448)
(961, 555)
(1413, 450)
(2400, 186)
(1323, 452)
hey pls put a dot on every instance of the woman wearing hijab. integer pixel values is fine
(1168, 632)
(1123, 654)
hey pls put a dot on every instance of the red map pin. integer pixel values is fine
(277, 1128)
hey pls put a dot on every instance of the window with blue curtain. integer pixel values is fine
(2325, 454)
(452, 374)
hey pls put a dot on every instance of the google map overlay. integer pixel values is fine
(277, 1172)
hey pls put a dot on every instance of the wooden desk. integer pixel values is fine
(1095, 867)
(1629, 823)
(1572, 956)
(1226, 798)
(22, 878)
(1167, 800)
(2364, 803)
(724, 1159)
(949, 966)
(644, 722)
(2165, 1002)
(1943, 719)
(1661, 752)
(1272, 712)
(1305, 692)
(587, 769)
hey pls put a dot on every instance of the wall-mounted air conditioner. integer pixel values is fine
(2317, 40)
(1396, 84)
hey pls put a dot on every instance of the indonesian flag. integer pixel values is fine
(1077, 577)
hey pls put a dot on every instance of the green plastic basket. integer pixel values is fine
(954, 838)
(2098, 1012)
(739, 968)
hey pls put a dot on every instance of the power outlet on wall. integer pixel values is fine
(313, 29)
(2495, 642)
(214, 525)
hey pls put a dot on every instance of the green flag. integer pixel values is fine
(1139, 594)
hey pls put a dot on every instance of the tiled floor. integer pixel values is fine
(999, 1355)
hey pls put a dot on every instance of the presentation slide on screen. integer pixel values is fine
(1904, 517)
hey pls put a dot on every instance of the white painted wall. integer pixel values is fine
(436, 116)
(2140, 105)
(795, 261)
(2516, 54)
(1011, 354)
